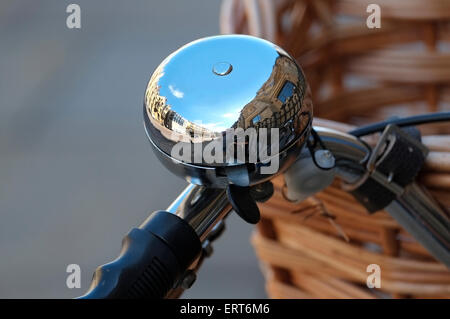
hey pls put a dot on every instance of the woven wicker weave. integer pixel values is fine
(322, 247)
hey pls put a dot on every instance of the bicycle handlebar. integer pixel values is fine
(156, 256)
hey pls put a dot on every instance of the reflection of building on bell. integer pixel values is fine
(156, 104)
(175, 122)
(277, 99)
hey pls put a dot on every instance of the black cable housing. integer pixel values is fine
(401, 122)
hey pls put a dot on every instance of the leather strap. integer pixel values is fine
(394, 163)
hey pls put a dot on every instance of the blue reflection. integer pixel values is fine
(286, 92)
(256, 119)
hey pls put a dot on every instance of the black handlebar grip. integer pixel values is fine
(153, 259)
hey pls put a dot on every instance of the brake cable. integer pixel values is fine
(401, 122)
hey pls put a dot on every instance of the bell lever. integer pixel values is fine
(243, 203)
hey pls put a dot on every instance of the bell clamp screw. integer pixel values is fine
(324, 159)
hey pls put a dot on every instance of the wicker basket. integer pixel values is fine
(321, 248)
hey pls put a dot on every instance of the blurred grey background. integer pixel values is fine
(76, 170)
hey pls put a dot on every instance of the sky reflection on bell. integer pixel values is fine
(213, 101)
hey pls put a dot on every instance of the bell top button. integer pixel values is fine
(222, 68)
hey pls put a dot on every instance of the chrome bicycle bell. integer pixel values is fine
(222, 95)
